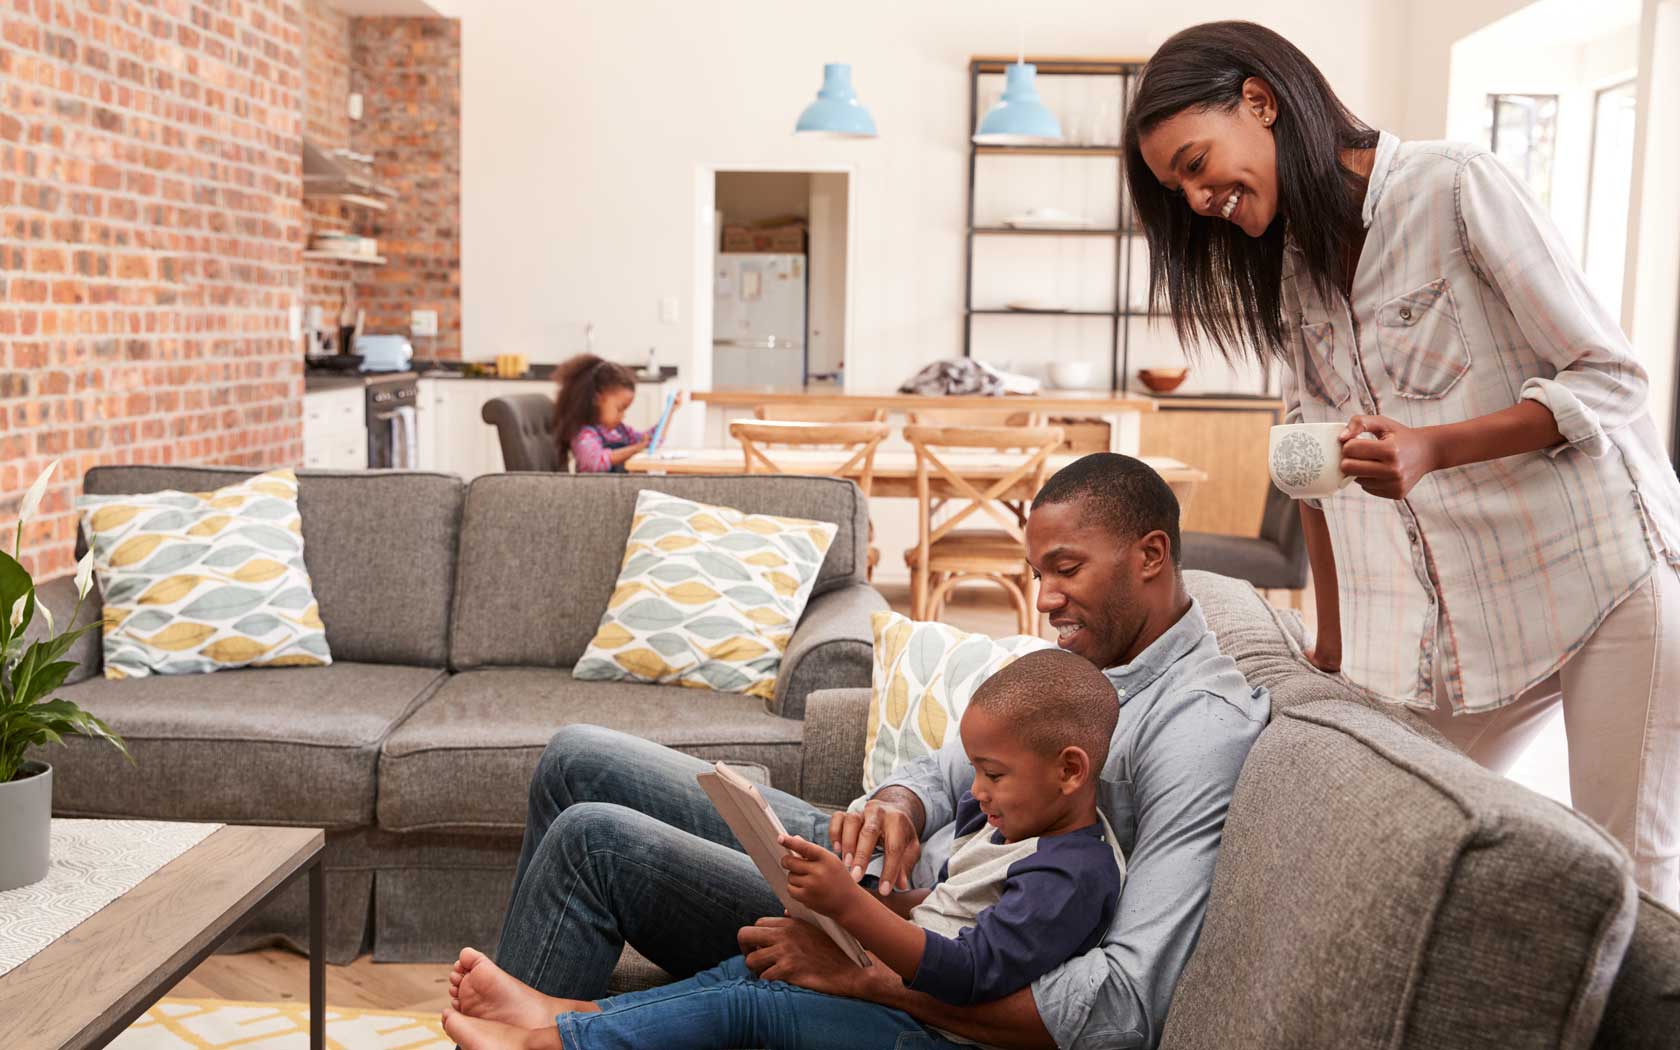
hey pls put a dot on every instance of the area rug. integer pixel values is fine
(214, 1024)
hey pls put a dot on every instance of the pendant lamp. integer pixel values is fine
(1019, 118)
(836, 113)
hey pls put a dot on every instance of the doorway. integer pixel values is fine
(773, 277)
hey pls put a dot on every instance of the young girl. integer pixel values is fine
(1515, 538)
(589, 415)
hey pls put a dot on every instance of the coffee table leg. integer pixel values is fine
(317, 957)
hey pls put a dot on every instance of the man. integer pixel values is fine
(622, 845)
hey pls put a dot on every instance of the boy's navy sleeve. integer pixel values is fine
(1056, 904)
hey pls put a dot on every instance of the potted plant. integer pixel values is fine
(29, 714)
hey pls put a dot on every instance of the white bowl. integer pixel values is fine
(1072, 375)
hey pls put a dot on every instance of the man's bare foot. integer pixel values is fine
(472, 1033)
(481, 989)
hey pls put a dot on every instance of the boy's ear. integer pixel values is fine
(1076, 769)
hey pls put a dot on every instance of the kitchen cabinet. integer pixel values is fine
(454, 439)
(335, 429)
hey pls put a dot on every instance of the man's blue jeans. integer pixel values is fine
(727, 1006)
(621, 844)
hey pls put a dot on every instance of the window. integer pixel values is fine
(1608, 184)
(1522, 132)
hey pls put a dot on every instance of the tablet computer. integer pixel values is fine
(664, 418)
(757, 826)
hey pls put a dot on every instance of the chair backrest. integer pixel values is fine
(941, 453)
(811, 412)
(847, 450)
(523, 423)
(1281, 524)
(976, 417)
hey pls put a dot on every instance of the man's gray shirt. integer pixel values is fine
(1187, 720)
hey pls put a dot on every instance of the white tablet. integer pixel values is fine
(757, 826)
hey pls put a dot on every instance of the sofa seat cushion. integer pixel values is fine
(295, 746)
(463, 762)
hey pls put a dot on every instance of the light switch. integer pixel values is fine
(669, 310)
(422, 322)
(355, 107)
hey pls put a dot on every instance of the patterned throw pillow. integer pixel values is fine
(924, 675)
(204, 581)
(707, 597)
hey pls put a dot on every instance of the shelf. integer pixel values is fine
(1050, 151)
(359, 200)
(1031, 231)
(1111, 67)
(1047, 313)
(343, 257)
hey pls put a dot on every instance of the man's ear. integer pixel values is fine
(1076, 769)
(1154, 553)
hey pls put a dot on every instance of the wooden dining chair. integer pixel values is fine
(798, 412)
(850, 445)
(945, 554)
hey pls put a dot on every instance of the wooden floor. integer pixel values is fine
(275, 975)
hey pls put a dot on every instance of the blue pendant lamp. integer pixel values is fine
(836, 113)
(1019, 118)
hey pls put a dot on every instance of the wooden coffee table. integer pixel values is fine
(88, 986)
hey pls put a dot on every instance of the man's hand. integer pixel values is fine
(1385, 457)
(818, 880)
(783, 949)
(892, 820)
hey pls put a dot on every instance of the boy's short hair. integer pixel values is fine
(1054, 700)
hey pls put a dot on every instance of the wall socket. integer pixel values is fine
(422, 322)
(354, 109)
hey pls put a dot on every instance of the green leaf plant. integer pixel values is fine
(30, 672)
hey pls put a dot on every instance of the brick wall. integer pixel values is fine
(150, 219)
(326, 123)
(409, 73)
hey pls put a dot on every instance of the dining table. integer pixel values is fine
(895, 469)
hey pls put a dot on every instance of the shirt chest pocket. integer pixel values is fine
(1319, 379)
(1422, 346)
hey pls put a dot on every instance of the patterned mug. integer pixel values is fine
(1306, 459)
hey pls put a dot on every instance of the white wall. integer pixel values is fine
(586, 125)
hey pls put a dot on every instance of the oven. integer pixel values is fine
(392, 422)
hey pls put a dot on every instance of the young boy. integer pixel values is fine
(1033, 880)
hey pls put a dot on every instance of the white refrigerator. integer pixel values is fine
(758, 321)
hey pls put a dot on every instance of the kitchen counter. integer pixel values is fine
(316, 382)
(536, 373)
(1059, 401)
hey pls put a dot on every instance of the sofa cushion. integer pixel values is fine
(464, 761)
(281, 746)
(195, 582)
(1375, 889)
(374, 542)
(573, 528)
(707, 597)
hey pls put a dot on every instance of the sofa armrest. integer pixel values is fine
(832, 648)
(60, 596)
(831, 760)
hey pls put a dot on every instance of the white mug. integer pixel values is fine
(1305, 459)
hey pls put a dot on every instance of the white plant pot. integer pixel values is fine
(25, 826)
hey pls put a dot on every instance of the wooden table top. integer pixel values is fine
(68, 995)
(890, 464)
(1068, 401)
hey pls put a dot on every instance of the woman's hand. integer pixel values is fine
(1326, 656)
(817, 878)
(1385, 457)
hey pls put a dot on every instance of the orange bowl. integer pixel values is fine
(1163, 380)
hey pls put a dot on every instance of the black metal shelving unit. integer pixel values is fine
(1123, 235)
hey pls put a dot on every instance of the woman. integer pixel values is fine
(1514, 542)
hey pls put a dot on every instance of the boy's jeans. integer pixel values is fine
(621, 844)
(728, 1006)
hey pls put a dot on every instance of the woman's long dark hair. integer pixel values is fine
(1219, 284)
(582, 379)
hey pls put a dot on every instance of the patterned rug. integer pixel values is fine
(214, 1024)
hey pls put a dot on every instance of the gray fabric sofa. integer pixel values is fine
(1376, 888)
(454, 613)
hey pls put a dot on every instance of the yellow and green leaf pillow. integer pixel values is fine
(923, 677)
(707, 597)
(204, 581)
